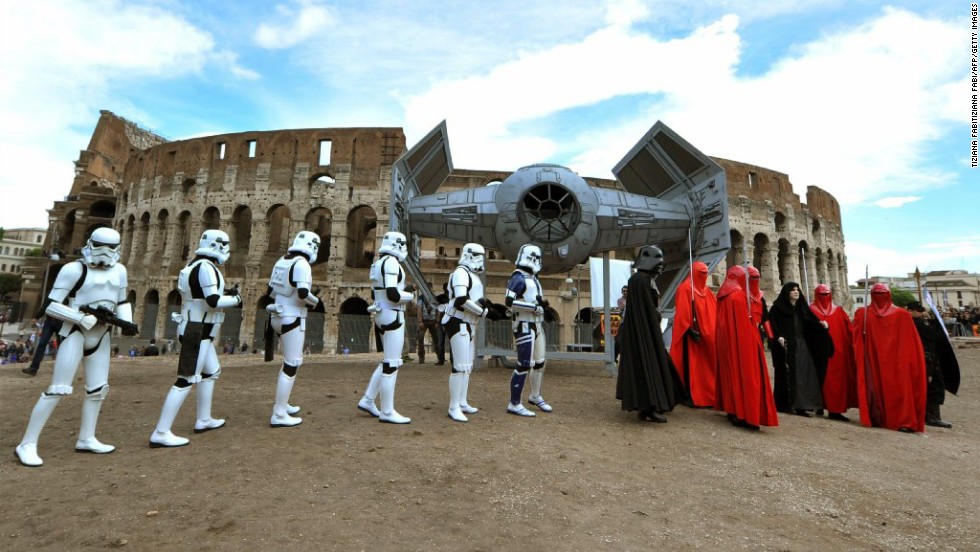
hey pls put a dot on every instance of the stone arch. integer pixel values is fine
(806, 259)
(780, 222)
(143, 234)
(784, 262)
(174, 301)
(354, 326)
(734, 255)
(321, 182)
(240, 235)
(188, 187)
(361, 224)
(102, 209)
(320, 220)
(151, 306)
(818, 271)
(831, 274)
(762, 260)
(184, 235)
(211, 219)
(67, 235)
(277, 217)
(163, 236)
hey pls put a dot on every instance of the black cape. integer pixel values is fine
(937, 345)
(783, 318)
(647, 378)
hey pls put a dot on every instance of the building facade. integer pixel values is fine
(263, 187)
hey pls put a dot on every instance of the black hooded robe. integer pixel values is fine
(799, 368)
(647, 377)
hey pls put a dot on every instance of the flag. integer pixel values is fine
(935, 312)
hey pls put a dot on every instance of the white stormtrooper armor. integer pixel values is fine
(95, 281)
(524, 297)
(463, 314)
(290, 284)
(390, 296)
(203, 300)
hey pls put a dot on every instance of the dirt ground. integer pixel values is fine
(585, 477)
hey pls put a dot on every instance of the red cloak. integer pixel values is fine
(743, 388)
(840, 383)
(891, 366)
(695, 359)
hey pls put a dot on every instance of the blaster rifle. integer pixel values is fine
(106, 316)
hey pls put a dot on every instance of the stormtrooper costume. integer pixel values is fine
(391, 294)
(203, 296)
(524, 298)
(290, 284)
(96, 280)
(466, 308)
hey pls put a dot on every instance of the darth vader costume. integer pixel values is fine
(648, 380)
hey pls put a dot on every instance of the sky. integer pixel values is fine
(870, 101)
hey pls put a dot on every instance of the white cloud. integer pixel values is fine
(895, 201)
(70, 55)
(850, 112)
(959, 253)
(293, 25)
(482, 109)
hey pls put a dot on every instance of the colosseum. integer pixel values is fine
(261, 187)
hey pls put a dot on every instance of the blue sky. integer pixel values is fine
(868, 100)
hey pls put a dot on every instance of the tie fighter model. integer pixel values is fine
(673, 195)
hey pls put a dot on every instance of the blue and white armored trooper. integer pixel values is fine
(391, 293)
(97, 281)
(203, 299)
(466, 308)
(524, 298)
(290, 285)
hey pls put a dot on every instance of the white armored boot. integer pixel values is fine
(27, 449)
(464, 405)
(367, 401)
(91, 406)
(535, 397)
(205, 392)
(456, 382)
(387, 392)
(162, 436)
(280, 417)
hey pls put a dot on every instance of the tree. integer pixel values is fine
(902, 297)
(10, 283)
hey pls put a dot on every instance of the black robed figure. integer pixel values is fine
(647, 379)
(800, 348)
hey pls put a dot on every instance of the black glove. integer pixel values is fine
(233, 291)
(316, 291)
(496, 312)
(410, 288)
(695, 335)
(543, 302)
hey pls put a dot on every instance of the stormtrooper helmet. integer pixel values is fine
(472, 257)
(102, 248)
(529, 258)
(214, 244)
(395, 244)
(306, 243)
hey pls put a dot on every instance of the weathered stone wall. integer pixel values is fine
(262, 187)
